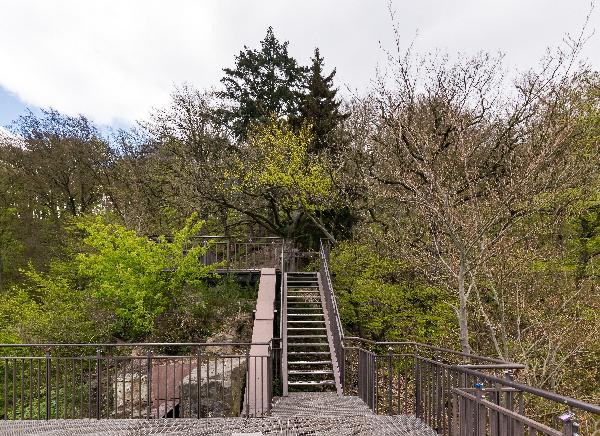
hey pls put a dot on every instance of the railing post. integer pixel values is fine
(570, 425)
(198, 379)
(480, 424)
(48, 387)
(417, 385)
(247, 382)
(269, 379)
(98, 382)
(149, 385)
(389, 384)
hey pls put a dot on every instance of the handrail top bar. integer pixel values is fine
(549, 395)
(431, 347)
(235, 237)
(506, 366)
(138, 344)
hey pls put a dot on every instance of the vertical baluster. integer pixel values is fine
(148, 385)
(198, 379)
(37, 387)
(48, 383)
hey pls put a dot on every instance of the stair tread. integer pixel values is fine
(307, 328)
(308, 320)
(296, 353)
(311, 383)
(308, 372)
(307, 336)
(308, 344)
(309, 362)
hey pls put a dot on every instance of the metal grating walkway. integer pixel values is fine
(295, 415)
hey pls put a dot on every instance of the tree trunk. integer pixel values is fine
(462, 309)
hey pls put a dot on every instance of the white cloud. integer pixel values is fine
(114, 60)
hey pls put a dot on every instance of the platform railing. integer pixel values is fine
(231, 254)
(148, 381)
(333, 315)
(457, 393)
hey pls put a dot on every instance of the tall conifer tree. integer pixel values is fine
(319, 105)
(264, 83)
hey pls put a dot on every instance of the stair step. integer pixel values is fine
(299, 353)
(303, 296)
(307, 336)
(311, 383)
(308, 372)
(308, 344)
(295, 321)
(310, 362)
(305, 314)
(307, 328)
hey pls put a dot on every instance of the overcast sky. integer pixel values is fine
(113, 60)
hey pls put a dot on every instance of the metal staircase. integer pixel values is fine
(306, 336)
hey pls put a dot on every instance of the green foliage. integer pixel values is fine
(320, 108)
(264, 82)
(11, 249)
(134, 277)
(379, 301)
(281, 165)
(117, 286)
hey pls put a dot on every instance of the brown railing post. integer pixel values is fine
(570, 425)
(417, 379)
(480, 413)
(198, 379)
(48, 387)
(247, 382)
(98, 382)
(389, 386)
(149, 386)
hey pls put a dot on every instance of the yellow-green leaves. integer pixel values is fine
(135, 277)
(278, 163)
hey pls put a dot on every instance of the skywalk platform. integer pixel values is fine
(297, 414)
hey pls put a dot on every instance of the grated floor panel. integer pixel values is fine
(298, 414)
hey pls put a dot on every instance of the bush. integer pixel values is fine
(379, 300)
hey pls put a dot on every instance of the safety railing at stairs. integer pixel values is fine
(457, 393)
(333, 314)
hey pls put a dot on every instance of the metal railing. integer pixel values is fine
(457, 393)
(241, 255)
(333, 315)
(67, 381)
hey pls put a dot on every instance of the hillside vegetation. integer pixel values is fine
(463, 207)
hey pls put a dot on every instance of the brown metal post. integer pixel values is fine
(198, 379)
(389, 384)
(570, 425)
(98, 382)
(417, 386)
(149, 386)
(48, 387)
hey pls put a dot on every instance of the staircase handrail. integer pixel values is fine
(331, 306)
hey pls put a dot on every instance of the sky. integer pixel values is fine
(114, 60)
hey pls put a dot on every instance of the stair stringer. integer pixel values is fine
(334, 362)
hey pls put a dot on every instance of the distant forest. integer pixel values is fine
(463, 206)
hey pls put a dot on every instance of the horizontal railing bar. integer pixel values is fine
(137, 344)
(495, 366)
(433, 348)
(233, 239)
(514, 415)
(568, 401)
(474, 366)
